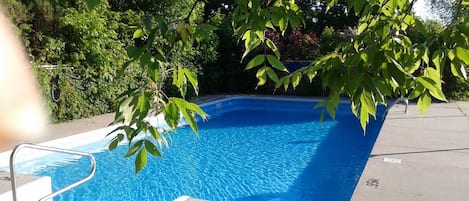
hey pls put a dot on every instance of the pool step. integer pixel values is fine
(187, 198)
(30, 188)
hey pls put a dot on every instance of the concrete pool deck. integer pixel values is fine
(419, 157)
(415, 157)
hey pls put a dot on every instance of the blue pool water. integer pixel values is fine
(250, 149)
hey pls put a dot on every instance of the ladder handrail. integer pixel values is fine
(52, 149)
(404, 100)
(401, 99)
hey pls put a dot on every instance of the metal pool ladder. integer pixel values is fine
(51, 149)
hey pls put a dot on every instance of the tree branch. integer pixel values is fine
(191, 11)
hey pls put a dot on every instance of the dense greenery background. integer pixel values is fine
(90, 46)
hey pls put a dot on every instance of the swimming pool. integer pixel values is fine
(250, 149)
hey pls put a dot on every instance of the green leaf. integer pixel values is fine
(451, 54)
(368, 103)
(330, 109)
(192, 77)
(320, 104)
(419, 89)
(425, 57)
(115, 141)
(247, 36)
(171, 115)
(273, 47)
(462, 54)
(294, 20)
(187, 116)
(463, 28)
(195, 108)
(91, 4)
(459, 71)
(434, 75)
(436, 58)
(153, 72)
(152, 148)
(438, 94)
(282, 24)
(311, 73)
(190, 120)
(250, 44)
(260, 34)
(330, 4)
(271, 74)
(362, 27)
(296, 78)
(130, 133)
(420, 27)
(364, 117)
(140, 160)
(275, 18)
(154, 133)
(143, 105)
(190, 106)
(134, 149)
(261, 76)
(256, 61)
(138, 33)
(286, 83)
(357, 7)
(180, 81)
(127, 109)
(424, 102)
(427, 83)
(121, 70)
(133, 51)
(386, 30)
(269, 24)
(276, 63)
(399, 66)
(145, 60)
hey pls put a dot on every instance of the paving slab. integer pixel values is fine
(419, 157)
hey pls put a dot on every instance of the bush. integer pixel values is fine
(90, 46)
(453, 88)
(80, 44)
(296, 45)
(330, 39)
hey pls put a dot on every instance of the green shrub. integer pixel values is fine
(90, 46)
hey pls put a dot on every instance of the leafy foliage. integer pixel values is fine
(381, 61)
(162, 56)
(67, 41)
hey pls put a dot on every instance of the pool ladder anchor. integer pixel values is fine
(51, 149)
